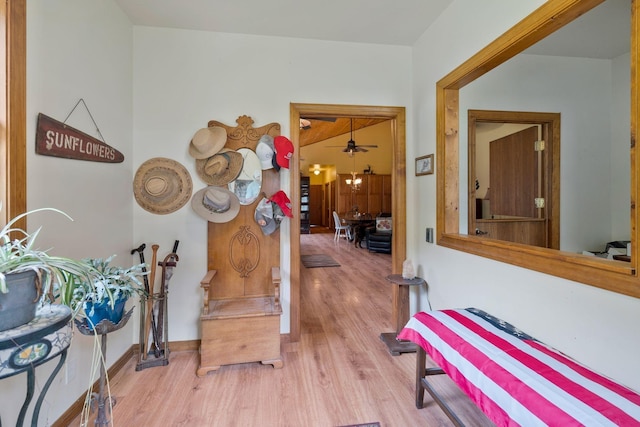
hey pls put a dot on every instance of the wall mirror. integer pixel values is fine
(474, 85)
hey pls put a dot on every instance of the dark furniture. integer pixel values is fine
(378, 242)
(379, 237)
(304, 205)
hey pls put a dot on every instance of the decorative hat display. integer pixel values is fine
(207, 142)
(265, 218)
(265, 151)
(284, 150)
(215, 204)
(283, 202)
(248, 183)
(162, 185)
(221, 168)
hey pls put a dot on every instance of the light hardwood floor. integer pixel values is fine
(339, 373)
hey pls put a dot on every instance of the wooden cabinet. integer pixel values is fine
(316, 199)
(373, 196)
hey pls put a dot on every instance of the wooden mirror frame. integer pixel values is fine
(616, 276)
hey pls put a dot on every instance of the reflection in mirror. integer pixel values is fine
(512, 156)
(247, 185)
(598, 162)
(582, 72)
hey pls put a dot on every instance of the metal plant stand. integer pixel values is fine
(24, 348)
(99, 400)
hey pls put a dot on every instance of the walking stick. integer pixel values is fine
(167, 265)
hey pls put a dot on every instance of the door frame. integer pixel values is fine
(397, 115)
(550, 124)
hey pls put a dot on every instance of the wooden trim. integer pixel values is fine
(13, 110)
(550, 123)
(397, 115)
(611, 275)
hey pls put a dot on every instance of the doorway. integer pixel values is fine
(397, 116)
(514, 160)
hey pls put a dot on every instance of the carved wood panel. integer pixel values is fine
(242, 255)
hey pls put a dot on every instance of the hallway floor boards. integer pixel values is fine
(339, 373)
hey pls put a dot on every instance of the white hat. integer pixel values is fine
(265, 152)
(207, 142)
(215, 204)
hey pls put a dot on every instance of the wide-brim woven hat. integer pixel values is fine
(207, 142)
(216, 204)
(221, 168)
(162, 185)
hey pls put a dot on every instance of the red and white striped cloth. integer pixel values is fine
(515, 379)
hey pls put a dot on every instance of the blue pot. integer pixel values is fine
(97, 312)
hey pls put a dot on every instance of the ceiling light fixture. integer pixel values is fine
(354, 181)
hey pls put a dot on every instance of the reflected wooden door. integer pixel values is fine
(513, 174)
(516, 181)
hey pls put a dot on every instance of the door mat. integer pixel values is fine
(376, 424)
(318, 260)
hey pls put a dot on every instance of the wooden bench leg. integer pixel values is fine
(421, 359)
(277, 363)
(422, 384)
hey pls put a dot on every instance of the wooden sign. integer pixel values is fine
(54, 138)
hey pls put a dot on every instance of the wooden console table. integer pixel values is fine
(400, 313)
(26, 347)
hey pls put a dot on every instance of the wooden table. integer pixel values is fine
(400, 313)
(356, 221)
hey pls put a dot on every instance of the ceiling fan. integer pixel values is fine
(352, 147)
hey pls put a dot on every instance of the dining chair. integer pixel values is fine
(339, 226)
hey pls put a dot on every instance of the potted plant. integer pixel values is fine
(28, 275)
(104, 296)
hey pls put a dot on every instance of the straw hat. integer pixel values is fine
(216, 204)
(221, 168)
(207, 142)
(162, 186)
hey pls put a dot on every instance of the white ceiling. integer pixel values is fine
(393, 22)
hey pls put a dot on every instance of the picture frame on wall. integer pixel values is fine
(424, 165)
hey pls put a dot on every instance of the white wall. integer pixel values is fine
(78, 49)
(593, 325)
(183, 79)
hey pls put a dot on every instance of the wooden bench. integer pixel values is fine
(512, 377)
(240, 330)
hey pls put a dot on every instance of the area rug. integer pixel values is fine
(376, 424)
(318, 260)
